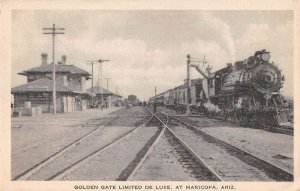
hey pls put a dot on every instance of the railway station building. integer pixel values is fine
(109, 98)
(71, 92)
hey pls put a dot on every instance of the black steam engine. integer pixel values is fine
(247, 91)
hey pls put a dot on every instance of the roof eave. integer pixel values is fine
(22, 73)
(37, 91)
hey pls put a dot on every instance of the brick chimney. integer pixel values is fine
(64, 59)
(44, 58)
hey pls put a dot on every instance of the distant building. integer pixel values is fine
(109, 98)
(71, 92)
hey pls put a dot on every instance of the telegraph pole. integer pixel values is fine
(92, 62)
(107, 79)
(108, 98)
(100, 68)
(101, 61)
(188, 111)
(154, 102)
(53, 31)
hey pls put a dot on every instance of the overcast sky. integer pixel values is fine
(149, 48)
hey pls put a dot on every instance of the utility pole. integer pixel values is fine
(100, 68)
(98, 82)
(109, 97)
(188, 111)
(53, 31)
(101, 61)
(92, 62)
(107, 79)
(154, 103)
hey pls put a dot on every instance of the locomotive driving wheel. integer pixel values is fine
(244, 120)
(232, 116)
(239, 118)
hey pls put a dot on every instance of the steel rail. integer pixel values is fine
(131, 175)
(89, 123)
(280, 129)
(283, 129)
(197, 158)
(71, 168)
(288, 130)
(273, 171)
(35, 168)
(25, 175)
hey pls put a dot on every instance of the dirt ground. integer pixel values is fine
(227, 166)
(163, 165)
(274, 147)
(26, 131)
(110, 163)
(36, 138)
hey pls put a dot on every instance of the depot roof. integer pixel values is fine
(59, 68)
(41, 85)
(97, 90)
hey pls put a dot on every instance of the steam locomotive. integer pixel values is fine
(132, 100)
(248, 91)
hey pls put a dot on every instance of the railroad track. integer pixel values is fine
(271, 170)
(288, 130)
(27, 174)
(131, 169)
(187, 157)
(89, 123)
(283, 129)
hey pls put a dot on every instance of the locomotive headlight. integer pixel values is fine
(265, 56)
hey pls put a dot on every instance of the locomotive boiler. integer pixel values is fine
(249, 91)
(256, 71)
(243, 92)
